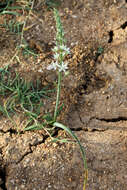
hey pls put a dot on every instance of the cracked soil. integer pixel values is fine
(94, 94)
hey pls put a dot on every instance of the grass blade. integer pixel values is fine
(10, 12)
(34, 127)
(59, 125)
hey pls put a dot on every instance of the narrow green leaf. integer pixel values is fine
(34, 127)
(56, 124)
(19, 8)
(61, 140)
(10, 12)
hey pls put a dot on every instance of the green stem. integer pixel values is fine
(58, 94)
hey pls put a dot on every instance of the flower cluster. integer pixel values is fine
(58, 64)
(60, 50)
(54, 65)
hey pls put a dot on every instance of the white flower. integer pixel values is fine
(53, 66)
(63, 67)
(55, 49)
(56, 56)
(64, 48)
(64, 53)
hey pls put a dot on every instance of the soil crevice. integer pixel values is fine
(3, 179)
(114, 120)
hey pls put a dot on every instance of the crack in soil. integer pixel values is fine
(77, 129)
(3, 173)
(113, 120)
(30, 149)
(36, 144)
(87, 128)
(12, 131)
(124, 25)
(3, 178)
(30, 145)
(23, 156)
(111, 34)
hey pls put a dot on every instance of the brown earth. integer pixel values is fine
(94, 94)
